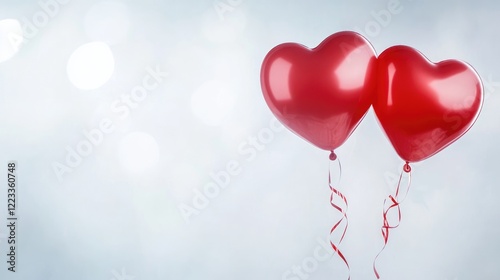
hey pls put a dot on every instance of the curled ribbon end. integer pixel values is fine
(342, 208)
(407, 167)
(333, 156)
(395, 204)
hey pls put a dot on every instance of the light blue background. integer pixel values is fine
(103, 220)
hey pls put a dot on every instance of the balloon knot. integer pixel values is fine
(407, 167)
(333, 156)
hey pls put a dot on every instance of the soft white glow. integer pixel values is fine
(224, 29)
(212, 102)
(138, 152)
(107, 21)
(11, 37)
(91, 66)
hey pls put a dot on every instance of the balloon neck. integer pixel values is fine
(407, 167)
(333, 156)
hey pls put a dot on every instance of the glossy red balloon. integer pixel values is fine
(424, 107)
(323, 93)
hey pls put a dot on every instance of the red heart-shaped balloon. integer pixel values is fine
(323, 93)
(424, 107)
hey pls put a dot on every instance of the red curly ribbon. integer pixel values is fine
(343, 211)
(395, 204)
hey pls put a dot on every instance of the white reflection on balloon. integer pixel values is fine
(454, 92)
(391, 71)
(280, 72)
(349, 73)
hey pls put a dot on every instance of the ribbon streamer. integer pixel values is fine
(395, 204)
(336, 193)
